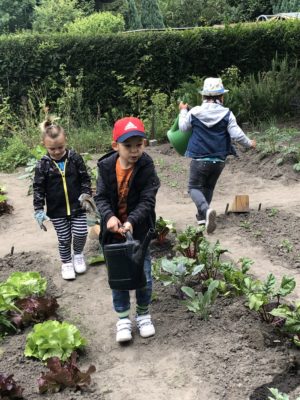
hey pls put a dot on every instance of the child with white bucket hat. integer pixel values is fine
(213, 127)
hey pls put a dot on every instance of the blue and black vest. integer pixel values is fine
(210, 142)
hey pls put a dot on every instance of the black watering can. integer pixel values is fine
(125, 262)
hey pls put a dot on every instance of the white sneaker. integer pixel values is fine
(79, 263)
(67, 271)
(123, 330)
(210, 223)
(145, 325)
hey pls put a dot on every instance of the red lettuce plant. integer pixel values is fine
(64, 374)
(33, 309)
(9, 389)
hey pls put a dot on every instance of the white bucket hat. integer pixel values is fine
(213, 87)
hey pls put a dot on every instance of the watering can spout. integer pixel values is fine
(139, 254)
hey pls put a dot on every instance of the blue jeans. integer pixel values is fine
(202, 181)
(121, 298)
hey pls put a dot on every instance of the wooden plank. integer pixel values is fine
(240, 203)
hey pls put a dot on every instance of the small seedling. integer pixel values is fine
(245, 224)
(273, 212)
(160, 162)
(257, 234)
(174, 184)
(286, 245)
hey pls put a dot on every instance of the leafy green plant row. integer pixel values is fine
(200, 264)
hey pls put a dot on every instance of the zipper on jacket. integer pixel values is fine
(63, 175)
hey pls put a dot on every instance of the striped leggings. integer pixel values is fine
(68, 228)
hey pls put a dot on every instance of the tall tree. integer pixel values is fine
(151, 16)
(133, 20)
(250, 9)
(286, 6)
(16, 15)
(53, 15)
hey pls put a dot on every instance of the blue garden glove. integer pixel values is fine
(40, 217)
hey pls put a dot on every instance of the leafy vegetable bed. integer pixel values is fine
(27, 371)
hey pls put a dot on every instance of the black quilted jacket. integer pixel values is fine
(143, 186)
(48, 186)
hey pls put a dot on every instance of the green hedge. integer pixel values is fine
(160, 59)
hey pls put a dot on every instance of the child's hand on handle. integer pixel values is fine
(253, 144)
(40, 216)
(183, 106)
(127, 227)
(113, 224)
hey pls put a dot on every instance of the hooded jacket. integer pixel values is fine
(60, 190)
(143, 186)
(213, 127)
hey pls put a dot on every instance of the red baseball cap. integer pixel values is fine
(127, 127)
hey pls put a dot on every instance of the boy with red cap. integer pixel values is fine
(126, 192)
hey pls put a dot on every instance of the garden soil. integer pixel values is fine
(233, 356)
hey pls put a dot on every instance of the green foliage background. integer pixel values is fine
(157, 60)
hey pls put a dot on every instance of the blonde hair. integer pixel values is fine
(50, 128)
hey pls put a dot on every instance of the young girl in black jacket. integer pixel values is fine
(62, 182)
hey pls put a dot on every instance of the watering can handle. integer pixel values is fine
(129, 236)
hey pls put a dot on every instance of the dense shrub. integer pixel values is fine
(14, 155)
(96, 24)
(266, 95)
(156, 60)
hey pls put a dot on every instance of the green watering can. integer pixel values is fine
(178, 139)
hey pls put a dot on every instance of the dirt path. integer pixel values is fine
(156, 368)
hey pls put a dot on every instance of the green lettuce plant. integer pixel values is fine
(5, 308)
(23, 284)
(53, 339)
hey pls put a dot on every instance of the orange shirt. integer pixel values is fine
(123, 177)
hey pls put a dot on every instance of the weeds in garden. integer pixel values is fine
(245, 224)
(273, 212)
(286, 246)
